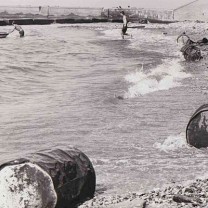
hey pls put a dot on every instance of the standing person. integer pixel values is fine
(125, 22)
(19, 29)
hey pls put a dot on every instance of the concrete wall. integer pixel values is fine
(197, 10)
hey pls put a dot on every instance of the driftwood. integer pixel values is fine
(186, 199)
(182, 199)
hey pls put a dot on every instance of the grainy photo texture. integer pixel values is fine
(103, 104)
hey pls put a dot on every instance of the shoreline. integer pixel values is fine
(187, 194)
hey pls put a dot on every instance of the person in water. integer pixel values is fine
(125, 22)
(19, 29)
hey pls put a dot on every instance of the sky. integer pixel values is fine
(167, 4)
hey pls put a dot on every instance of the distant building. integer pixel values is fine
(195, 10)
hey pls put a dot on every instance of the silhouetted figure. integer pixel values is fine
(125, 22)
(19, 29)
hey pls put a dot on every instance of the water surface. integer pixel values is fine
(59, 86)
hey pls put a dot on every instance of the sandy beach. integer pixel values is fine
(188, 194)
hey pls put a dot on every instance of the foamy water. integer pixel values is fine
(172, 143)
(165, 76)
(58, 87)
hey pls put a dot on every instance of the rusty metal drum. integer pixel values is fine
(197, 128)
(50, 178)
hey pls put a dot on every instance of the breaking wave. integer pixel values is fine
(165, 76)
(172, 143)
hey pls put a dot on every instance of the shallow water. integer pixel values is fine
(59, 85)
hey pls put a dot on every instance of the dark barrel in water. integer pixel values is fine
(50, 178)
(197, 131)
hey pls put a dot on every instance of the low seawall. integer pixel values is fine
(47, 21)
